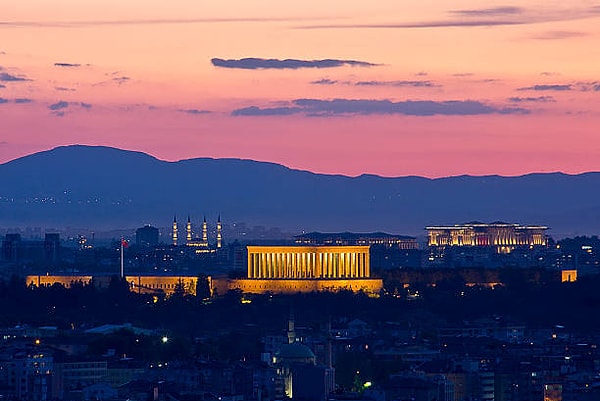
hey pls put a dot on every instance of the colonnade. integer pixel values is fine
(308, 262)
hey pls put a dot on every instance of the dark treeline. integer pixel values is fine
(397, 278)
(523, 298)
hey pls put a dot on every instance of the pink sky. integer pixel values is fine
(467, 87)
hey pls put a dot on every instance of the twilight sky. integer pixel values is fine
(432, 88)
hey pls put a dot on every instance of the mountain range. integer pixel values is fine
(102, 187)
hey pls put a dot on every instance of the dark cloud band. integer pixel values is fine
(67, 65)
(253, 63)
(323, 108)
(554, 87)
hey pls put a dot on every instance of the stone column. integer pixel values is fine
(261, 265)
(294, 264)
(348, 264)
(250, 265)
(318, 265)
(361, 264)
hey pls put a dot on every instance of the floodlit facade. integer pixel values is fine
(292, 269)
(504, 236)
(141, 284)
(304, 262)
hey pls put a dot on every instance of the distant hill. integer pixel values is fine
(101, 187)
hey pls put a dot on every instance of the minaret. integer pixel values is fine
(174, 234)
(219, 236)
(188, 230)
(204, 233)
(291, 334)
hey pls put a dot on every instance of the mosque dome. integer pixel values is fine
(295, 353)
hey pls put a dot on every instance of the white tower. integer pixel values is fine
(188, 230)
(219, 236)
(174, 233)
(204, 232)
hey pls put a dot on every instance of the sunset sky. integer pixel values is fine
(393, 88)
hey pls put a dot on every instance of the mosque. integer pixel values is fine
(200, 243)
(298, 372)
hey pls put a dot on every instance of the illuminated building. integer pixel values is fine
(166, 285)
(553, 392)
(505, 237)
(568, 276)
(266, 262)
(347, 238)
(292, 269)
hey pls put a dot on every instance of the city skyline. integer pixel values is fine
(391, 89)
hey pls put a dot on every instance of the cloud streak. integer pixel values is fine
(6, 77)
(398, 83)
(415, 84)
(59, 105)
(558, 35)
(324, 108)
(577, 86)
(324, 81)
(156, 21)
(485, 17)
(541, 99)
(194, 111)
(67, 65)
(494, 11)
(253, 63)
(59, 108)
(545, 87)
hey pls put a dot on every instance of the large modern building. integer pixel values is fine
(16, 249)
(503, 236)
(291, 269)
(347, 238)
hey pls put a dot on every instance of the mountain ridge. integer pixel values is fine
(106, 187)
